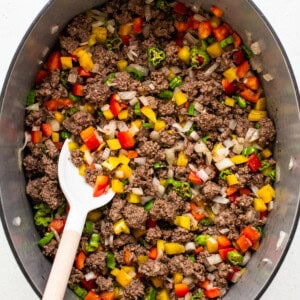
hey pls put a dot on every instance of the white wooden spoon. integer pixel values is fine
(79, 195)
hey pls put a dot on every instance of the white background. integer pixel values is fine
(15, 18)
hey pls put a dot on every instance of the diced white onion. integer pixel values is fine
(255, 48)
(122, 126)
(236, 277)
(170, 155)
(254, 189)
(127, 95)
(282, 236)
(211, 69)
(88, 157)
(89, 276)
(17, 221)
(198, 17)
(228, 143)
(214, 259)
(140, 160)
(144, 100)
(198, 106)
(170, 173)
(55, 125)
(220, 200)
(154, 135)
(137, 191)
(252, 135)
(188, 280)
(144, 70)
(195, 136)
(190, 246)
(216, 207)
(105, 153)
(105, 107)
(133, 101)
(145, 199)
(190, 38)
(224, 164)
(186, 127)
(72, 78)
(268, 77)
(270, 205)
(246, 258)
(33, 107)
(203, 175)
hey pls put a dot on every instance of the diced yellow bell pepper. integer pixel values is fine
(182, 159)
(137, 123)
(266, 153)
(256, 115)
(212, 245)
(92, 40)
(231, 179)
(59, 117)
(266, 193)
(157, 282)
(100, 34)
(214, 50)
(114, 161)
(55, 137)
(123, 114)
(177, 277)
(160, 244)
(163, 295)
(180, 97)
(81, 170)
(209, 212)
(108, 115)
(115, 271)
(260, 104)
(94, 215)
(128, 269)
(123, 278)
(117, 186)
(184, 54)
(66, 62)
(267, 171)
(113, 144)
(83, 148)
(141, 259)
(133, 198)
(124, 159)
(122, 65)
(183, 221)
(159, 125)
(149, 113)
(121, 227)
(259, 205)
(123, 172)
(125, 29)
(230, 74)
(85, 60)
(72, 146)
(174, 248)
(239, 159)
(171, 75)
(229, 101)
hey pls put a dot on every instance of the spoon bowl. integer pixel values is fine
(79, 195)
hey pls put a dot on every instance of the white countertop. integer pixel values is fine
(15, 18)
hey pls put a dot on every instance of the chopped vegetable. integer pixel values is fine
(155, 56)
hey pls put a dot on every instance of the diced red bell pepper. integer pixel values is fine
(251, 233)
(237, 41)
(55, 104)
(181, 26)
(181, 289)
(194, 178)
(263, 215)
(224, 251)
(254, 162)
(252, 82)
(81, 72)
(92, 295)
(54, 62)
(90, 138)
(36, 136)
(212, 293)
(125, 39)
(250, 95)
(150, 223)
(88, 284)
(58, 145)
(100, 185)
(115, 105)
(181, 8)
(231, 274)
(80, 260)
(41, 74)
(46, 129)
(243, 69)
(218, 12)
(244, 191)
(229, 87)
(239, 57)
(153, 253)
(137, 25)
(223, 241)
(194, 24)
(126, 139)
(58, 225)
(232, 198)
(221, 32)
(243, 243)
(77, 89)
(204, 29)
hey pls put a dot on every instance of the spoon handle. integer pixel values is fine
(64, 258)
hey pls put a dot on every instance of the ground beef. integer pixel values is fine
(266, 132)
(167, 109)
(123, 82)
(31, 165)
(207, 122)
(96, 261)
(80, 28)
(68, 43)
(76, 276)
(124, 239)
(117, 206)
(153, 234)
(171, 50)
(34, 118)
(104, 284)
(181, 264)
(163, 210)
(78, 121)
(134, 290)
(77, 157)
(49, 167)
(168, 139)
(50, 249)
(97, 93)
(181, 235)
(211, 190)
(153, 268)
(149, 149)
(135, 216)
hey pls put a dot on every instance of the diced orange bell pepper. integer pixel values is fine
(204, 284)
(237, 41)
(77, 89)
(54, 62)
(204, 29)
(243, 69)
(194, 178)
(90, 138)
(218, 12)
(196, 214)
(126, 139)
(223, 241)
(212, 293)
(250, 95)
(132, 154)
(153, 252)
(251, 233)
(100, 185)
(80, 260)
(58, 225)
(231, 190)
(92, 295)
(107, 296)
(243, 243)
(36, 136)
(181, 289)
(55, 104)
(127, 257)
(115, 105)
(252, 82)
(181, 26)
(46, 129)
(221, 32)
(137, 24)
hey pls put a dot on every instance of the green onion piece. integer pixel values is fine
(64, 78)
(191, 110)
(247, 50)
(201, 239)
(158, 165)
(149, 205)
(272, 174)
(65, 134)
(100, 113)
(210, 40)
(235, 257)
(43, 215)
(264, 165)
(206, 222)
(113, 43)
(205, 138)
(88, 227)
(155, 56)
(30, 98)
(175, 82)
(137, 108)
(192, 258)
(165, 94)
(150, 294)
(163, 5)
(71, 111)
(242, 103)
(198, 296)
(46, 239)
(94, 241)
(79, 291)
(147, 125)
(256, 125)
(249, 150)
(135, 73)
(223, 174)
(227, 41)
(73, 97)
(191, 129)
(109, 78)
(110, 260)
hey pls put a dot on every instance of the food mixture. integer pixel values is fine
(160, 103)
